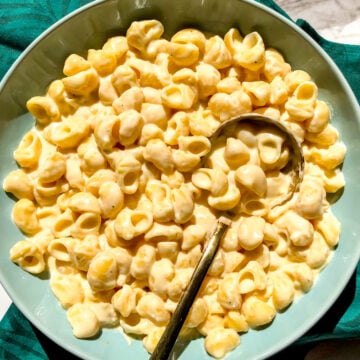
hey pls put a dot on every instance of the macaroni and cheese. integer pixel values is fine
(114, 200)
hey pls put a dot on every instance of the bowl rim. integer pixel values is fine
(297, 333)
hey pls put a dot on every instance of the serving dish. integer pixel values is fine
(93, 24)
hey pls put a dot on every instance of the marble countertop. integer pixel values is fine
(336, 20)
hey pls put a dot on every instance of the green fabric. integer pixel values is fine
(21, 21)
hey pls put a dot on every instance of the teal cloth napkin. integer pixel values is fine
(21, 21)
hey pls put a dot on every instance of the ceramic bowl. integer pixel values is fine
(89, 27)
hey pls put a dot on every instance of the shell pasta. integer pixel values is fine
(118, 186)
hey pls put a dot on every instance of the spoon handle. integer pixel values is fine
(168, 339)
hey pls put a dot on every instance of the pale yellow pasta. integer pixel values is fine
(52, 168)
(107, 92)
(150, 74)
(208, 78)
(213, 180)
(106, 132)
(143, 261)
(227, 200)
(328, 158)
(203, 122)
(67, 134)
(137, 325)
(160, 195)
(301, 274)
(294, 78)
(177, 125)
(233, 40)
(156, 114)
(192, 236)
(44, 109)
(153, 307)
(178, 96)
(278, 91)
(190, 36)
(253, 178)
(219, 342)
(111, 199)
(235, 320)
(149, 132)
(104, 62)
(105, 313)
(251, 232)
(161, 273)
(318, 252)
(168, 249)
(116, 45)
(236, 152)
(140, 33)
(152, 338)
(130, 99)
(329, 226)
(164, 232)
(311, 199)
(299, 230)
(259, 92)
(67, 289)
(82, 83)
(270, 146)
(216, 53)
(28, 256)
(225, 106)
(257, 312)
(283, 290)
(183, 54)
(131, 223)
(123, 78)
(185, 161)
(120, 184)
(28, 153)
(84, 202)
(228, 293)
(60, 248)
(301, 105)
(83, 321)
(252, 277)
(83, 251)
(62, 225)
(130, 126)
(25, 217)
(159, 154)
(124, 300)
(183, 204)
(155, 48)
(128, 169)
(102, 272)
(197, 145)
(74, 64)
(275, 65)
(250, 53)
(88, 223)
(18, 183)
(320, 119)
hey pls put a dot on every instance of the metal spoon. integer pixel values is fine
(295, 167)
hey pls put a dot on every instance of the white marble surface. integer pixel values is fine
(337, 20)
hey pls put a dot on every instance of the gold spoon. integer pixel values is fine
(295, 168)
